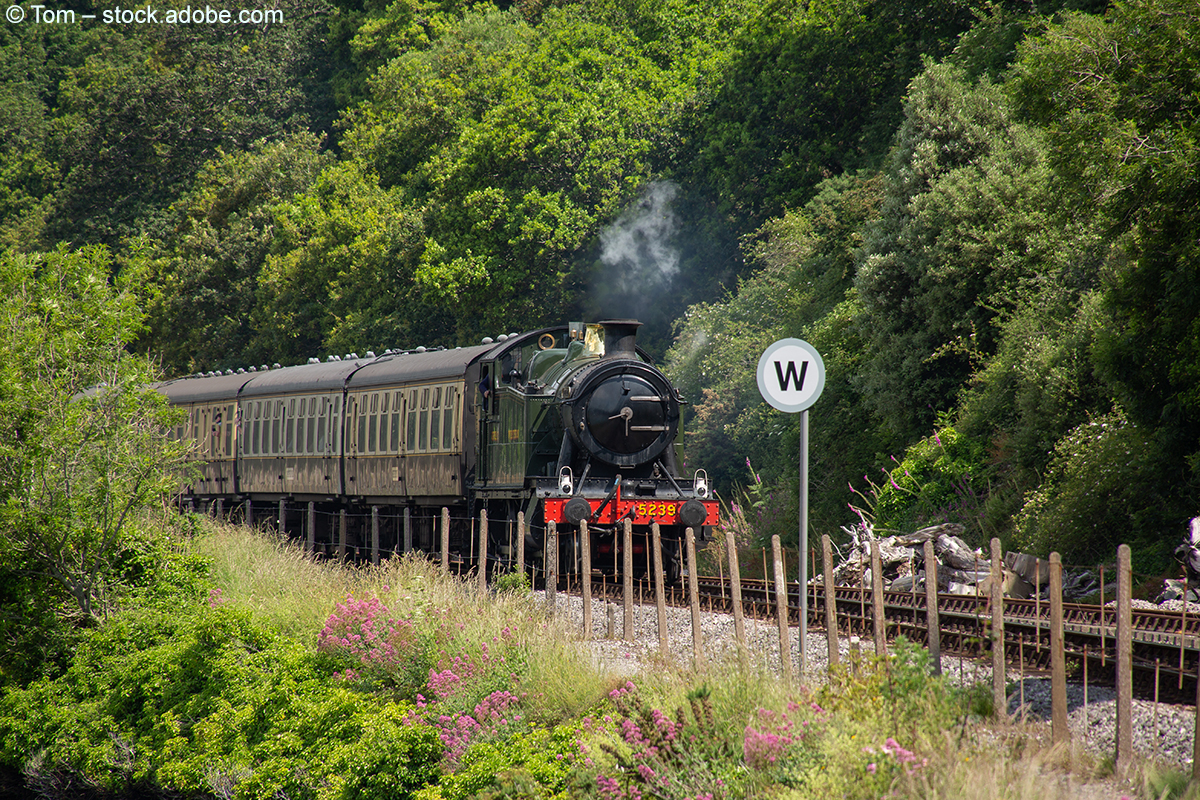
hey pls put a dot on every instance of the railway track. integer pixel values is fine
(1166, 645)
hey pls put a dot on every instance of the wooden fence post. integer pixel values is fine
(660, 598)
(374, 534)
(585, 546)
(1058, 661)
(312, 526)
(694, 594)
(781, 611)
(341, 550)
(831, 629)
(551, 563)
(1124, 661)
(445, 541)
(627, 582)
(877, 617)
(932, 619)
(996, 600)
(739, 613)
(521, 543)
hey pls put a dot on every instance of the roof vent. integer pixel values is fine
(502, 337)
(370, 354)
(251, 369)
(350, 356)
(487, 340)
(275, 365)
(228, 372)
(265, 368)
(314, 361)
(512, 336)
(421, 349)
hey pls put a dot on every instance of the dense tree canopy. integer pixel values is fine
(984, 217)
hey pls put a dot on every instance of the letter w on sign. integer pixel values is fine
(790, 375)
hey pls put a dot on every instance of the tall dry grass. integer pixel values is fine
(560, 681)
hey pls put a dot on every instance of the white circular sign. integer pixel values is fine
(791, 375)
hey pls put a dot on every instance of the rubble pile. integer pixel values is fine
(960, 569)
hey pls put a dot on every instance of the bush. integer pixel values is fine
(941, 479)
(1102, 488)
(201, 700)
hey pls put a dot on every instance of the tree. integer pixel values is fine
(813, 90)
(208, 269)
(340, 274)
(83, 435)
(966, 218)
(1120, 99)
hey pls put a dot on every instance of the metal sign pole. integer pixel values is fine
(804, 539)
(791, 376)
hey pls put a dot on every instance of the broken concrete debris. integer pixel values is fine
(961, 569)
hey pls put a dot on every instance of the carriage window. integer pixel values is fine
(448, 419)
(423, 430)
(383, 422)
(300, 428)
(396, 422)
(256, 428)
(361, 413)
(410, 441)
(310, 437)
(373, 424)
(335, 424)
(321, 419)
(435, 422)
(266, 429)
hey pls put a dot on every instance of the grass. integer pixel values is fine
(888, 730)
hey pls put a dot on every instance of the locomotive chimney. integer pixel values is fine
(620, 337)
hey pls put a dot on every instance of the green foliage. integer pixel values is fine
(196, 698)
(813, 91)
(515, 583)
(340, 276)
(1105, 485)
(528, 765)
(942, 478)
(208, 269)
(1124, 128)
(137, 114)
(965, 219)
(83, 443)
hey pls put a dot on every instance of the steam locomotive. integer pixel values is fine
(565, 424)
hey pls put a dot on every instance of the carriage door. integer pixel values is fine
(487, 403)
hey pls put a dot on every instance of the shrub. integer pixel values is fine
(201, 700)
(941, 479)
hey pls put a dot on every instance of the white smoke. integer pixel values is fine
(638, 250)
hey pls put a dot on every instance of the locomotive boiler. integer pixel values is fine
(565, 425)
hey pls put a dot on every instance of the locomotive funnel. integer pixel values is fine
(620, 337)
